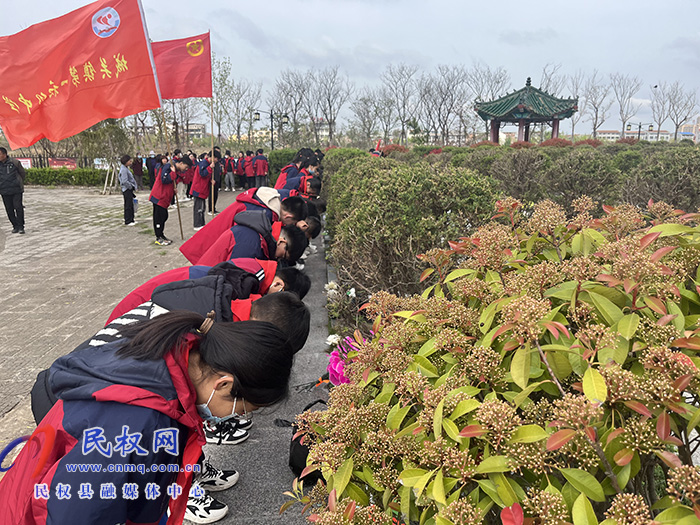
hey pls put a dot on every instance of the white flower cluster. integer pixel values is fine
(332, 290)
(333, 340)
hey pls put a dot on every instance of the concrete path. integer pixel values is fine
(61, 280)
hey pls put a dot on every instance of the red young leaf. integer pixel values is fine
(624, 456)
(332, 501)
(650, 203)
(426, 273)
(669, 458)
(638, 407)
(511, 345)
(560, 438)
(349, 512)
(656, 304)
(512, 515)
(365, 374)
(613, 435)
(629, 285)
(366, 305)
(612, 281)
(417, 430)
(673, 440)
(608, 209)
(308, 470)
(666, 319)
(658, 254)
(501, 330)
(552, 329)
(472, 431)
(678, 409)
(562, 328)
(648, 239)
(663, 426)
(682, 382)
(591, 433)
(693, 343)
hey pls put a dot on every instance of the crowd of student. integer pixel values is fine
(182, 360)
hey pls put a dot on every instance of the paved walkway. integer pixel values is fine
(61, 280)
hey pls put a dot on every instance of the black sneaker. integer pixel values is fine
(203, 508)
(214, 479)
(21, 231)
(226, 433)
(15, 230)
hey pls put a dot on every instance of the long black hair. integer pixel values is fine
(255, 353)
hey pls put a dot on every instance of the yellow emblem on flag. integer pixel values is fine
(195, 48)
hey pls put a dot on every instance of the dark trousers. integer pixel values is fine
(200, 206)
(128, 206)
(160, 216)
(260, 181)
(216, 196)
(14, 209)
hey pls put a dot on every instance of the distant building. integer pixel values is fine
(645, 134)
(692, 128)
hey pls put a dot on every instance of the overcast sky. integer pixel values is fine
(656, 40)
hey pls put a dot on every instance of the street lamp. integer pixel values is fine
(639, 128)
(284, 120)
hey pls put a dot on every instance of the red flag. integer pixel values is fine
(60, 77)
(184, 67)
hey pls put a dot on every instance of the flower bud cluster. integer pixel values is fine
(549, 507)
(534, 280)
(580, 268)
(500, 419)
(524, 313)
(640, 435)
(575, 412)
(622, 220)
(462, 512)
(629, 509)
(481, 364)
(684, 483)
(492, 241)
(546, 217)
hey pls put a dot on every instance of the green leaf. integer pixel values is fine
(428, 348)
(422, 482)
(386, 394)
(694, 421)
(627, 326)
(594, 387)
(356, 493)
(584, 482)
(675, 514)
(607, 309)
(396, 415)
(582, 512)
(410, 476)
(528, 434)
(451, 429)
(456, 274)
(405, 497)
(489, 488)
(520, 367)
(464, 407)
(679, 321)
(669, 229)
(342, 477)
(487, 316)
(522, 396)
(493, 464)
(505, 491)
(439, 489)
(427, 368)
(437, 419)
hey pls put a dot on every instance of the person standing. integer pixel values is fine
(201, 187)
(137, 168)
(261, 168)
(163, 191)
(230, 165)
(128, 184)
(11, 188)
(217, 175)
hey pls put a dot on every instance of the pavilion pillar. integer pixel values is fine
(495, 125)
(521, 130)
(527, 132)
(555, 128)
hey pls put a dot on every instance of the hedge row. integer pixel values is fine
(65, 177)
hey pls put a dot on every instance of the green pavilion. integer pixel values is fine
(526, 106)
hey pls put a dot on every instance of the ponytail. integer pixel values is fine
(256, 353)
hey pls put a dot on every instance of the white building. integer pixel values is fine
(644, 134)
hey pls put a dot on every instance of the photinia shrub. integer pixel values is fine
(588, 142)
(556, 143)
(548, 373)
(522, 144)
(485, 143)
(627, 140)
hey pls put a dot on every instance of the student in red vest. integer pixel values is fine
(201, 186)
(261, 168)
(254, 237)
(249, 170)
(287, 210)
(240, 170)
(163, 191)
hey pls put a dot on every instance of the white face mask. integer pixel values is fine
(206, 414)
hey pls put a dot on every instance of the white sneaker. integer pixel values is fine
(132, 223)
(202, 508)
(226, 433)
(214, 479)
(198, 228)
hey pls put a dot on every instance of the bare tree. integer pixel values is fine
(659, 106)
(625, 88)
(334, 90)
(425, 114)
(222, 90)
(312, 103)
(400, 82)
(551, 81)
(288, 96)
(449, 94)
(576, 87)
(682, 105)
(386, 112)
(487, 84)
(185, 111)
(598, 101)
(364, 109)
(245, 97)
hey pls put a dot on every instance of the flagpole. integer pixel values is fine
(213, 167)
(177, 201)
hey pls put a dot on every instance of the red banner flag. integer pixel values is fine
(60, 77)
(184, 67)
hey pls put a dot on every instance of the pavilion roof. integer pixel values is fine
(528, 103)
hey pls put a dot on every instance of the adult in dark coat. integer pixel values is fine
(11, 188)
